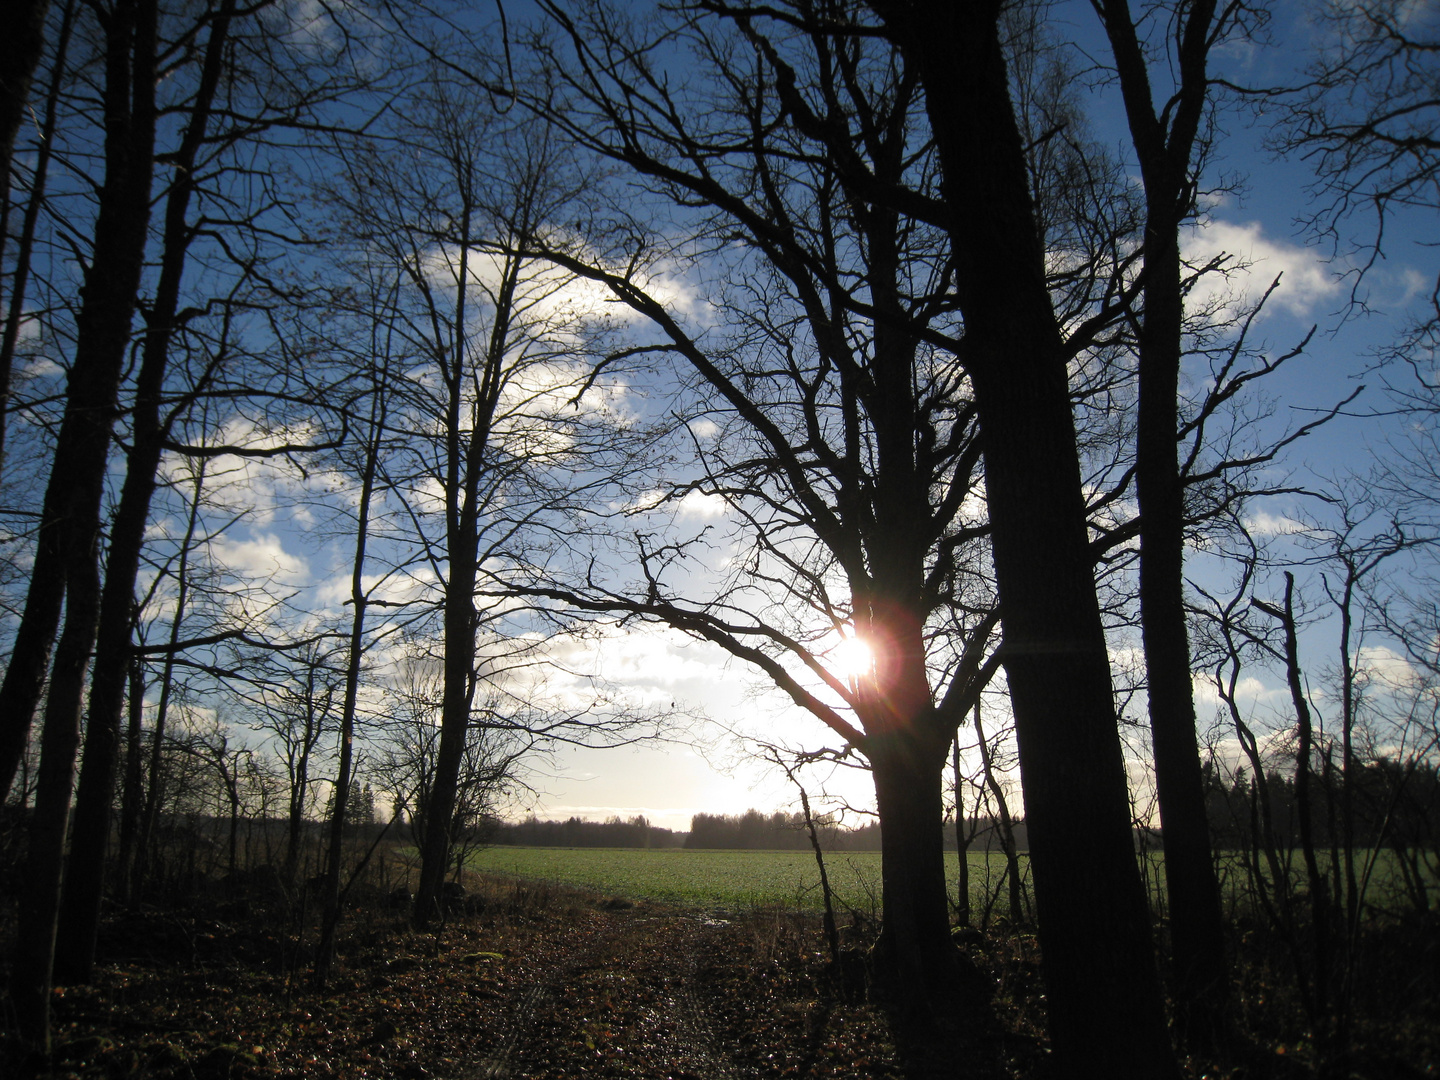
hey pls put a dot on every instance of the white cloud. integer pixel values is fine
(1385, 665)
(1264, 523)
(554, 298)
(691, 505)
(260, 558)
(1249, 692)
(1254, 262)
(697, 504)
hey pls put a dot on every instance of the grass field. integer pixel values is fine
(733, 880)
(720, 879)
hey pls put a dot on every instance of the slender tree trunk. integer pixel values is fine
(1196, 926)
(1106, 1013)
(963, 837)
(35, 201)
(70, 513)
(20, 49)
(454, 724)
(131, 791)
(467, 452)
(80, 913)
(1304, 772)
(1006, 825)
(151, 812)
(31, 979)
(325, 954)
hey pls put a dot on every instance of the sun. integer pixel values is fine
(852, 659)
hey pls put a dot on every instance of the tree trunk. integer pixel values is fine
(1320, 913)
(34, 203)
(963, 837)
(131, 791)
(1196, 926)
(1106, 1012)
(467, 451)
(31, 979)
(20, 49)
(454, 725)
(151, 811)
(465, 455)
(325, 954)
(72, 497)
(1005, 824)
(915, 953)
(95, 795)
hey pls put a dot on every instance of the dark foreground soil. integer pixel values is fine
(549, 984)
(543, 984)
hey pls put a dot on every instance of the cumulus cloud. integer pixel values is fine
(1254, 260)
(1264, 523)
(551, 297)
(1249, 691)
(696, 504)
(260, 557)
(1384, 665)
(692, 505)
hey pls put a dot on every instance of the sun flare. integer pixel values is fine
(852, 658)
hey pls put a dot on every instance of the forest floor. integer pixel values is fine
(531, 982)
(534, 982)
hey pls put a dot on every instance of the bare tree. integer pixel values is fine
(1170, 141)
(825, 408)
(66, 569)
(1055, 655)
(507, 409)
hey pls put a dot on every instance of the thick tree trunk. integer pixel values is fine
(915, 951)
(95, 795)
(72, 497)
(1106, 1012)
(1099, 960)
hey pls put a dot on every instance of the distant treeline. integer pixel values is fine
(1387, 803)
(779, 831)
(637, 832)
(750, 831)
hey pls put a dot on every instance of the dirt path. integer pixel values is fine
(623, 1003)
(568, 987)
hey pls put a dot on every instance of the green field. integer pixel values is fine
(734, 880)
(727, 880)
